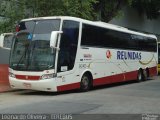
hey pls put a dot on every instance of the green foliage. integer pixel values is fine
(14, 10)
(77, 8)
(11, 11)
(111, 8)
(149, 7)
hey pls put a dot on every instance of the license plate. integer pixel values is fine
(27, 85)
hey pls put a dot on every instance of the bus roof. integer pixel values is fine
(95, 23)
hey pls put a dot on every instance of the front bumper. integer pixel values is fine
(40, 85)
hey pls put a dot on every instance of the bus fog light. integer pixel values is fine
(48, 76)
(12, 75)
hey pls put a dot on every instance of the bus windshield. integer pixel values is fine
(31, 46)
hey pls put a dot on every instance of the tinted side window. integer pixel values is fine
(96, 36)
(102, 37)
(119, 39)
(90, 35)
(68, 45)
(152, 44)
(145, 43)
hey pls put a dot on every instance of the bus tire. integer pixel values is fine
(140, 75)
(86, 83)
(147, 74)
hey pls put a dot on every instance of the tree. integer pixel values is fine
(11, 11)
(77, 8)
(18, 9)
(149, 7)
(14, 10)
(110, 8)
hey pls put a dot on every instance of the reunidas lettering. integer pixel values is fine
(126, 55)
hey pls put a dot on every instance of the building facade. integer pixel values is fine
(131, 19)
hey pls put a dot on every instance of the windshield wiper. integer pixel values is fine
(50, 66)
(24, 54)
(26, 45)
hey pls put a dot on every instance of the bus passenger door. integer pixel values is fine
(67, 53)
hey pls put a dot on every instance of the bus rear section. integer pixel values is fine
(72, 53)
(118, 54)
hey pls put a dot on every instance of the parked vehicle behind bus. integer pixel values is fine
(158, 57)
(5, 45)
(64, 53)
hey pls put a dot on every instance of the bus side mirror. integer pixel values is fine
(54, 38)
(6, 40)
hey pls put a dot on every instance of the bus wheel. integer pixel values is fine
(85, 83)
(140, 76)
(147, 73)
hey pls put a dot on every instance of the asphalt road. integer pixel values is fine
(124, 98)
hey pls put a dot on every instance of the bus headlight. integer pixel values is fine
(48, 76)
(12, 75)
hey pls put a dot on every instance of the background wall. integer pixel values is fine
(131, 19)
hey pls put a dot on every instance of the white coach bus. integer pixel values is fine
(64, 53)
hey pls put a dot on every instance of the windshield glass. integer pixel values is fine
(31, 47)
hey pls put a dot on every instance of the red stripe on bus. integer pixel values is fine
(27, 77)
(116, 78)
(122, 77)
(68, 87)
(109, 79)
(131, 75)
